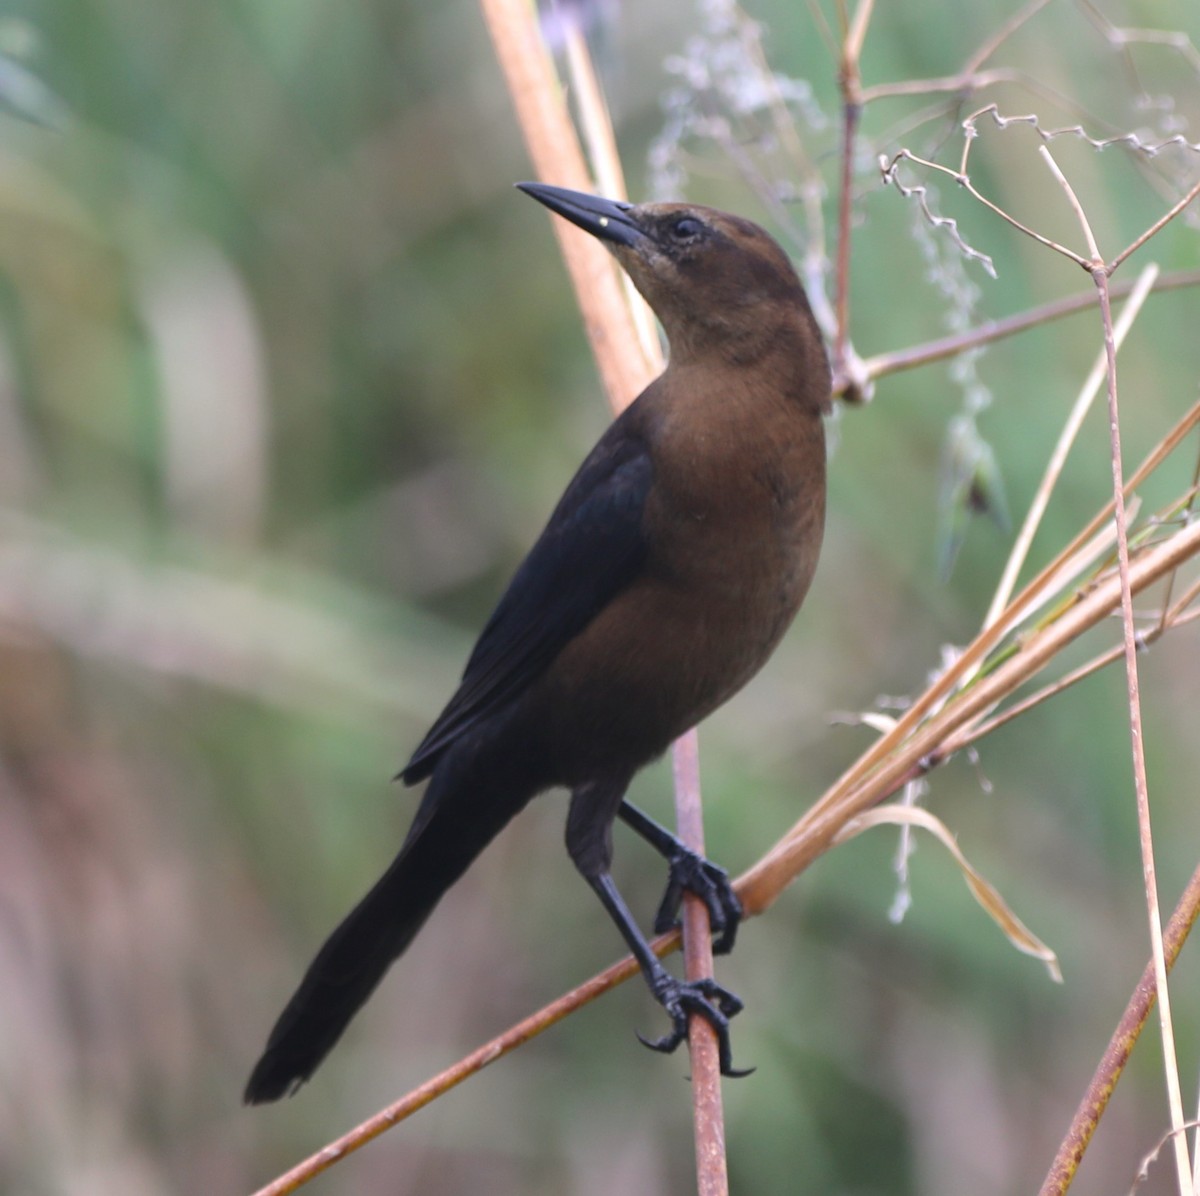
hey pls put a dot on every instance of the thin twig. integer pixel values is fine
(1166, 218)
(557, 157)
(883, 767)
(1058, 458)
(468, 1066)
(1170, 1059)
(1100, 274)
(1120, 1046)
(850, 83)
(1073, 199)
(708, 1117)
(882, 364)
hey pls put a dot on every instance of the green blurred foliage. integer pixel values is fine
(289, 378)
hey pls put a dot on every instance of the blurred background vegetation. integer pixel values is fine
(290, 378)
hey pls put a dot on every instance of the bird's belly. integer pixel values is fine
(655, 662)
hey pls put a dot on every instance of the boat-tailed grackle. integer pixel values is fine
(672, 565)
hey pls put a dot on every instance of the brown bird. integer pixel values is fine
(674, 562)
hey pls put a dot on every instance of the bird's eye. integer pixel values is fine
(686, 228)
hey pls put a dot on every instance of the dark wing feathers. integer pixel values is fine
(591, 548)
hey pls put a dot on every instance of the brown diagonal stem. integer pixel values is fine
(1120, 1045)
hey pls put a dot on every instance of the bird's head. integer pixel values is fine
(717, 282)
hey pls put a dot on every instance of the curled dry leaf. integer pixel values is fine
(984, 892)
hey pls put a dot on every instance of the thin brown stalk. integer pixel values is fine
(1120, 1046)
(708, 1116)
(891, 759)
(1172, 617)
(882, 364)
(1165, 219)
(466, 1067)
(850, 83)
(1171, 1066)
(1058, 458)
(558, 158)
(1100, 275)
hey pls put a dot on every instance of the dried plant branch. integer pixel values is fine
(1173, 617)
(961, 176)
(1120, 1047)
(468, 1066)
(890, 168)
(708, 1116)
(1141, 788)
(883, 364)
(850, 83)
(1094, 253)
(556, 154)
(1165, 219)
(895, 756)
(1058, 458)
(601, 143)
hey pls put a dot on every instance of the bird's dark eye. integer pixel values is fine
(686, 228)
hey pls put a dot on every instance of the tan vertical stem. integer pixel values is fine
(557, 158)
(708, 1114)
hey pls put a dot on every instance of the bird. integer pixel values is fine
(668, 572)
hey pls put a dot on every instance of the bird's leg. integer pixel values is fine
(688, 870)
(589, 842)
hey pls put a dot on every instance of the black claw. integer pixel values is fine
(695, 874)
(681, 998)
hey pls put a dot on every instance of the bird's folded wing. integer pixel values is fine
(591, 549)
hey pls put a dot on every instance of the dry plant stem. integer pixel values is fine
(892, 759)
(969, 735)
(970, 78)
(476, 1061)
(1170, 215)
(850, 82)
(610, 178)
(773, 872)
(557, 158)
(1171, 1066)
(1100, 275)
(1120, 1045)
(708, 1117)
(883, 364)
(1058, 458)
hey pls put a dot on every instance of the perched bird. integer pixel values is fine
(672, 565)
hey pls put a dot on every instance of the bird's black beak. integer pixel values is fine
(607, 219)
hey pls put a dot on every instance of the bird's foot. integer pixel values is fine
(693, 873)
(681, 998)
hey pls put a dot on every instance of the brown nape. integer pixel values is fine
(669, 570)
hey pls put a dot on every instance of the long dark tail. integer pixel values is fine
(451, 828)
